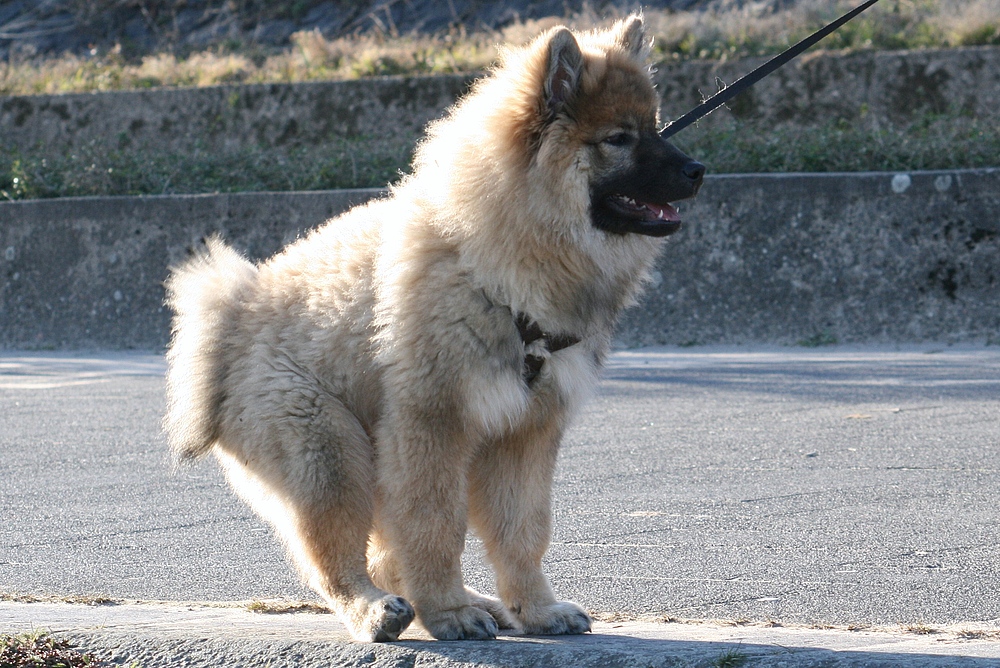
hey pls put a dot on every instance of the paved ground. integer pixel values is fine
(838, 486)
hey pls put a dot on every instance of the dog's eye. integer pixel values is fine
(619, 139)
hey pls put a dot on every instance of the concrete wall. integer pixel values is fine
(868, 86)
(763, 258)
(88, 272)
(225, 117)
(856, 257)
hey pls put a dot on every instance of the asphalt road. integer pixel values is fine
(852, 486)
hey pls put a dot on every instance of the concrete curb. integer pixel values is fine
(174, 634)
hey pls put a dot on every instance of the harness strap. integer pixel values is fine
(531, 332)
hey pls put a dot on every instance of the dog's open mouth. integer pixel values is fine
(656, 220)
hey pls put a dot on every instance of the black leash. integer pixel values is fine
(729, 92)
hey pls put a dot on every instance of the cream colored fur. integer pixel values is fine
(364, 389)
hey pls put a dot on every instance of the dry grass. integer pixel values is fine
(921, 629)
(893, 24)
(284, 607)
(896, 24)
(38, 649)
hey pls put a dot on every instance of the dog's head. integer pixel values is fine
(597, 102)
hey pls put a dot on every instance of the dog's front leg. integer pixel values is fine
(423, 462)
(510, 485)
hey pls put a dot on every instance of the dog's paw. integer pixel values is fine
(496, 608)
(466, 623)
(560, 618)
(384, 620)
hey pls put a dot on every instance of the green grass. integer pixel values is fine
(359, 162)
(892, 24)
(819, 340)
(929, 142)
(731, 658)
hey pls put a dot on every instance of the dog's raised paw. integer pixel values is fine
(465, 623)
(560, 618)
(387, 618)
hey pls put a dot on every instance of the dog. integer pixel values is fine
(405, 372)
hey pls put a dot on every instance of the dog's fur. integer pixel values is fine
(365, 390)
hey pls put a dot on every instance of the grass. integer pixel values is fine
(818, 340)
(38, 649)
(731, 658)
(358, 162)
(929, 142)
(282, 607)
(921, 629)
(892, 24)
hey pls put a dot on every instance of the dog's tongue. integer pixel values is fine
(649, 212)
(665, 212)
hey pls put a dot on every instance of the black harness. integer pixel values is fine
(531, 332)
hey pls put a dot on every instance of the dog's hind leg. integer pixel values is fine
(315, 486)
(510, 486)
(337, 559)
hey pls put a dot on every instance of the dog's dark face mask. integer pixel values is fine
(647, 174)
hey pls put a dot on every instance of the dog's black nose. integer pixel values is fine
(694, 170)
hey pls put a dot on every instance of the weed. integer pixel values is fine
(358, 162)
(921, 629)
(38, 649)
(819, 339)
(928, 141)
(972, 634)
(731, 658)
(281, 607)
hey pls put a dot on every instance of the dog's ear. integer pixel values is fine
(632, 37)
(562, 76)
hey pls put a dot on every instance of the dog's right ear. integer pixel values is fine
(632, 37)
(565, 65)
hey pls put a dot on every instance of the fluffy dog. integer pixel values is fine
(407, 370)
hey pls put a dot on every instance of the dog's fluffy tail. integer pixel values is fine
(205, 294)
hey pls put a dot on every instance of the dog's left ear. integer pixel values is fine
(632, 37)
(565, 65)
